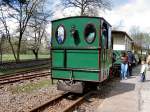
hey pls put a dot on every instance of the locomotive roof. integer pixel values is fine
(123, 32)
(81, 17)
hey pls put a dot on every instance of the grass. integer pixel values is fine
(27, 88)
(10, 57)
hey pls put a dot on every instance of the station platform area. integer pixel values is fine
(129, 95)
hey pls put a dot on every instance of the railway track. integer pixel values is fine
(25, 71)
(5, 79)
(61, 103)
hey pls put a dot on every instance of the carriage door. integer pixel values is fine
(104, 54)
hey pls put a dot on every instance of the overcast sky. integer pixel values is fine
(125, 14)
(128, 13)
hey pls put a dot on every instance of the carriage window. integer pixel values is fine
(60, 34)
(90, 33)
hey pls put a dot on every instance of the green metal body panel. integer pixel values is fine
(76, 59)
(83, 59)
(82, 76)
(76, 64)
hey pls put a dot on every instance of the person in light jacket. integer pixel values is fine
(143, 70)
(148, 60)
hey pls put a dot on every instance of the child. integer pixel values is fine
(143, 70)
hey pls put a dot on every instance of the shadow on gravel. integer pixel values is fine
(131, 77)
(147, 81)
(120, 88)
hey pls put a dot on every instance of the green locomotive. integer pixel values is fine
(81, 52)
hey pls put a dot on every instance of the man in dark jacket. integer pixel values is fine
(131, 58)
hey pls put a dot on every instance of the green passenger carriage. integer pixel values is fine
(81, 52)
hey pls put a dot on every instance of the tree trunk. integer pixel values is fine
(36, 56)
(18, 52)
(35, 52)
(1, 51)
(12, 48)
(20, 32)
(18, 48)
(82, 12)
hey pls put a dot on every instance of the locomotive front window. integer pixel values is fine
(60, 34)
(90, 33)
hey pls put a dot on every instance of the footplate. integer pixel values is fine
(76, 87)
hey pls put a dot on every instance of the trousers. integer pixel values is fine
(124, 70)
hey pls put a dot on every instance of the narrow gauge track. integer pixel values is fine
(25, 72)
(61, 104)
(22, 76)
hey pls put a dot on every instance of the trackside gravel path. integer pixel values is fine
(129, 95)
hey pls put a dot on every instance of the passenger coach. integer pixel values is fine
(81, 52)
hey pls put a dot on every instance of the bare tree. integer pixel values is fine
(134, 31)
(118, 26)
(87, 6)
(37, 33)
(5, 30)
(37, 25)
(23, 11)
(136, 35)
(140, 38)
(1, 49)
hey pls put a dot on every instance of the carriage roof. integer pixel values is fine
(122, 32)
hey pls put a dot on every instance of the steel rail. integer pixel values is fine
(12, 79)
(77, 103)
(59, 98)
(24, 72)
(49, 103)
(20, 74)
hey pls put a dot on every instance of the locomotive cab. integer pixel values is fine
(81, 52)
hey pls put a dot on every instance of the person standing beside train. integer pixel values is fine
(143, 70)
(124, 66)
(148, 60)
(131, 59)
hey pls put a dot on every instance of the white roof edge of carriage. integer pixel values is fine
(119, 31)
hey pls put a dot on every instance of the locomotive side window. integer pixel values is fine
(60, 34)
(109, 38)
(90, 33)
(105, 35)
